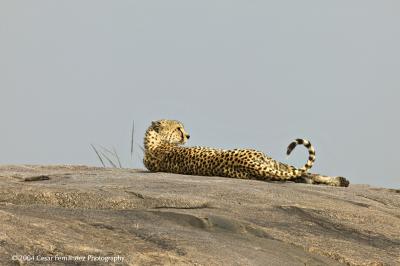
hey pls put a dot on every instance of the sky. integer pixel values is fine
(238, 74)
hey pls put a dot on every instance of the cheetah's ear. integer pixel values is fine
(155, 125)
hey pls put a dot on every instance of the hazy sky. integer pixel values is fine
(238, 74)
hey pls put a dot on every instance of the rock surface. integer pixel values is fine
(52, 212)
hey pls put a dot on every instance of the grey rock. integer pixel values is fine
(52, 212)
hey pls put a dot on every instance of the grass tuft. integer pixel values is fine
(111, 156)
(98, 155)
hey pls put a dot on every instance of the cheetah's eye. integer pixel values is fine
(179, 128)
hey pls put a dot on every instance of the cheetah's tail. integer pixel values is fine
(311, 153)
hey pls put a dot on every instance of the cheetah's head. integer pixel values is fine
(171, 131)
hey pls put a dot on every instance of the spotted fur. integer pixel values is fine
(164, 152)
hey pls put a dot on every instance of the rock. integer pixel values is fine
(48, 213)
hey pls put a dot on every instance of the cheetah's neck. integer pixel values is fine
(152, 140)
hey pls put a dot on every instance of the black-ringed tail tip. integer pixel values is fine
(311, 152)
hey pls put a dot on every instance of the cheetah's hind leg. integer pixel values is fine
(337, 181)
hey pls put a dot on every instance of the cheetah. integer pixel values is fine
(164, 152)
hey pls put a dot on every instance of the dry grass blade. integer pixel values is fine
(109, 160)
(98, 155)
(140, 147)
(116, 156)
(107, 150)
(132, 134)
